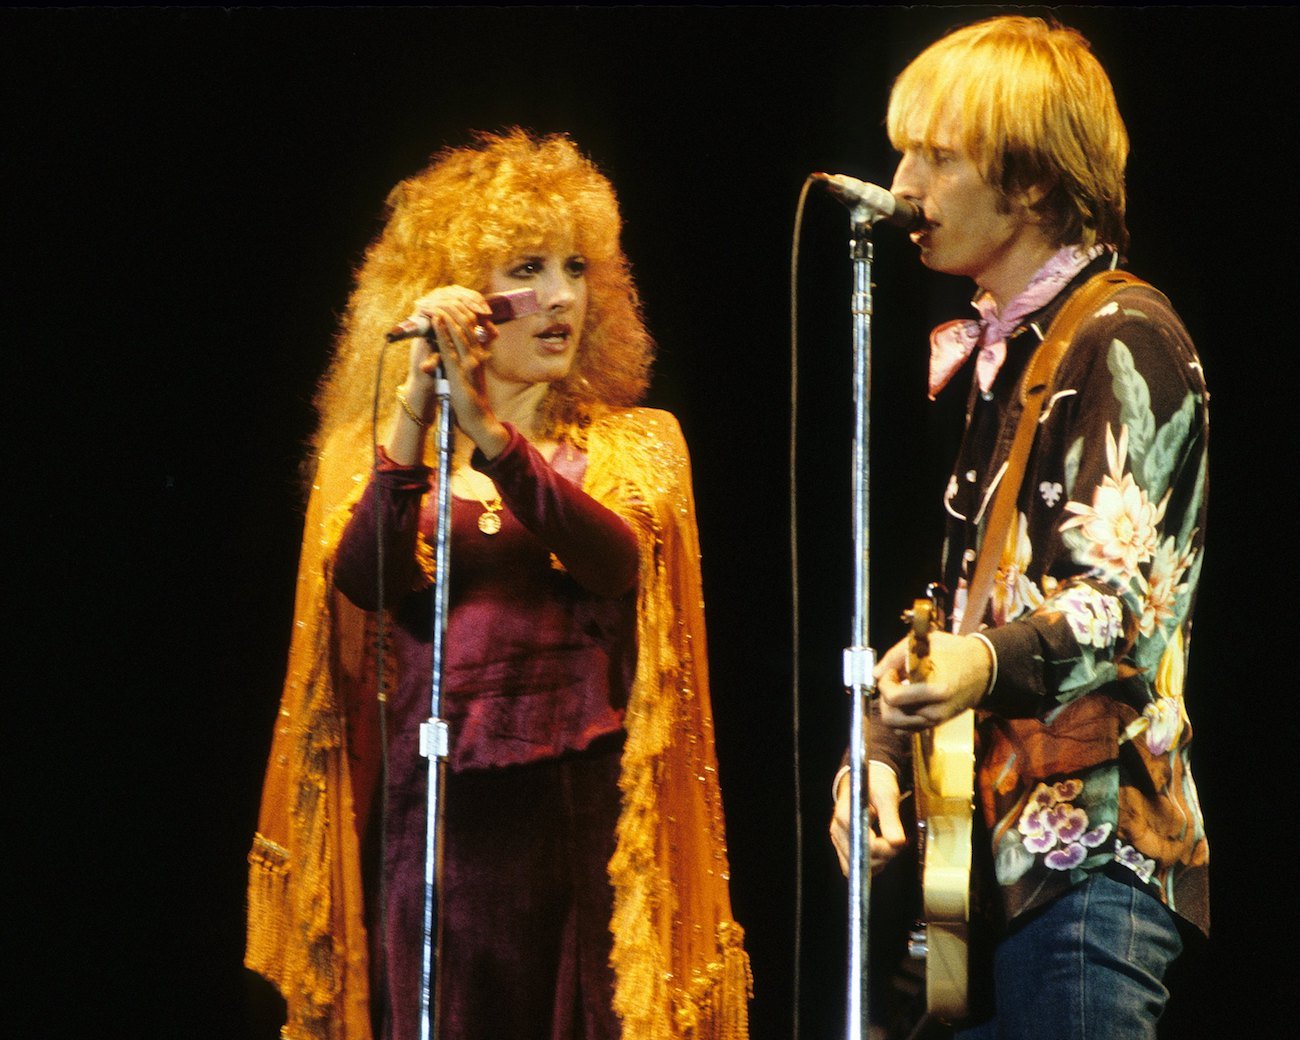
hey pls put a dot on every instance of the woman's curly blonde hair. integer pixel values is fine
(470, 210)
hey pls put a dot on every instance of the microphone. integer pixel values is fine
(506, 306)
(872, 203)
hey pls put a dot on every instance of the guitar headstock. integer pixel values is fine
(925, 616)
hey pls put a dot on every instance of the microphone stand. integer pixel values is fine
(859, 658)
(434, 738)
(868, 204)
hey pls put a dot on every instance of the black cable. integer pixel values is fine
(381, 652)
(794, 603)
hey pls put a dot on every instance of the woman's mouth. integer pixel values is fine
(556, 336)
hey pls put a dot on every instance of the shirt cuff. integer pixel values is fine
(1016, 691)
(398, 477)
(510, 454)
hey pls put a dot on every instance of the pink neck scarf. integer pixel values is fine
(953, 342)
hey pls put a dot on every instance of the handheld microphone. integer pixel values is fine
(872, 203)
(506, 306)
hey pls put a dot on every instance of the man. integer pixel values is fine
(1089, 831)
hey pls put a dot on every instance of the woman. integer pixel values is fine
(584, 888)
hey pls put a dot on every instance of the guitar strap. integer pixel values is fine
(1036, 386)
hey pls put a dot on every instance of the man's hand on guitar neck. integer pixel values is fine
(963, 672)
(886, 836)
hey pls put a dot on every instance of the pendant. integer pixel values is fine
(489, 521)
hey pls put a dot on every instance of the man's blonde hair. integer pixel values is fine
(1035, 111)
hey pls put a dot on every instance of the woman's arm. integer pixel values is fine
(595, 544)
(396, 492)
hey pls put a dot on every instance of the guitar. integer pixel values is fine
(944, 783)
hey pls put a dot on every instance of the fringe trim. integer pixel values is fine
(427, 559)
(641, 995)
(716, 1006)
(268, 893)
(670, 984)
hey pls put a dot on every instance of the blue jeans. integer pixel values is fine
(1087, 967)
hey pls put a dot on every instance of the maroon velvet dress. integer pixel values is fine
(541, 649)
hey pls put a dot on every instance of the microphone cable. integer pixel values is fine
(796, 660)
(381, 676)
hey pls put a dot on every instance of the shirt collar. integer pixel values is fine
(953, 342)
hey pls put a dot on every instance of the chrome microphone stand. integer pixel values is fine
(434, 739)
(868, 204)
(859, 658)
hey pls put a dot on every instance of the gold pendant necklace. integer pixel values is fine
(489, 521)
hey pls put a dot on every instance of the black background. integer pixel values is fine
(186, 194)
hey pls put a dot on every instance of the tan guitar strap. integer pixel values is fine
(1035, 387)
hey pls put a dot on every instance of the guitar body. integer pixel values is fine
(944, 784)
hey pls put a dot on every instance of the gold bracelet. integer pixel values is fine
(410, 412)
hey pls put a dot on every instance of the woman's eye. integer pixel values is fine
(576, 266)
(526, 270)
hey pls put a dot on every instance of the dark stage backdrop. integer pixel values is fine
(187, 192)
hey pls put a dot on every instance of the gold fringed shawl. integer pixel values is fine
(306, 932)
(681, 972)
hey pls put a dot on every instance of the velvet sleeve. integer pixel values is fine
(596, 546)
(395, 493)
(1112, 521)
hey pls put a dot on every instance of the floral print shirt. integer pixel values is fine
(1082, 758)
